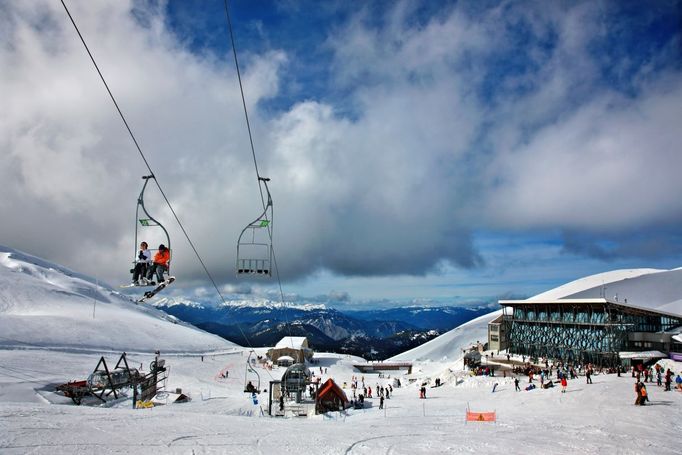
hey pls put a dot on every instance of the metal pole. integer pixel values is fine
(94, 298)
(134, 393)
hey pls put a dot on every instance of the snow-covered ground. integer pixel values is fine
(596, 418)
(49, 336)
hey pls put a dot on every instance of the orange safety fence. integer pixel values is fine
(481, 416)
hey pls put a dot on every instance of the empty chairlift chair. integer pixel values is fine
(254, 247)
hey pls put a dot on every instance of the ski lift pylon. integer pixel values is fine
(254, 247)
(147, 221)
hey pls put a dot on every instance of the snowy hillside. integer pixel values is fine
(659, 290)
(593, 281)
(48, 306)
(448, 347)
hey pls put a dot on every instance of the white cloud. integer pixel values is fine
(396, 188)
(611, 164)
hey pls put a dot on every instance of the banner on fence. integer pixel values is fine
(473, 416)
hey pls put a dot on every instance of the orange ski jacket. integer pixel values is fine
(162, 257)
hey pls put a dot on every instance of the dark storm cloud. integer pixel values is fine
(645, 244)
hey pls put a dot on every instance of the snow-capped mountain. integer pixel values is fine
(254, 305)
(49, 306)
(370, 333)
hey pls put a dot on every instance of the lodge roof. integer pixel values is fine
(600, 300)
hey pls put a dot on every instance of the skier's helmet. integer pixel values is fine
(162, 247)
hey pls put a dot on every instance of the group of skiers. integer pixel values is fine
(649, 373)
(360, 391)
(145, 268)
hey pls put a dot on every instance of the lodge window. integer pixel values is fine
(581, 316)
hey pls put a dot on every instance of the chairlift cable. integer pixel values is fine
(137, 145)
(241, 89)
(255, 161)
(139, 149)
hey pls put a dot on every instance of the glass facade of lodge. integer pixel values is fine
(581, 332)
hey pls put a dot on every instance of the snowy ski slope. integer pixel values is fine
(44, 305)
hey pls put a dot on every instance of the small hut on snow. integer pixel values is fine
(330, 397)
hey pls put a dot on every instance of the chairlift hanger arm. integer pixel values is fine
(265, 181)
(264, 214)
(140, 204)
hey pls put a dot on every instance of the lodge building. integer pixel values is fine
(596, 330)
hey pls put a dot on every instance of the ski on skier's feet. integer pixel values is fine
(159, 288)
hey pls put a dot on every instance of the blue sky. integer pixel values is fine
(418, 150)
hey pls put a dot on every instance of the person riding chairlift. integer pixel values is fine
(144, 258)
(160, 264)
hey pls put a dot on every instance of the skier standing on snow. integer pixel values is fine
(160, 265)
(144, 258)
(638, 392)
(564, 384)
(516, 384)
(643, 393)
(668, 379)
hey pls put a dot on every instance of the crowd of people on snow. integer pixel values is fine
(556, 374)
(561, 369)
(360, 391)
(649, 373)
(565, 371)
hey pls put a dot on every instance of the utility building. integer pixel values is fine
(497, 336)
(294, 347)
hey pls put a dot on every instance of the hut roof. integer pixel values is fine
(331, 388)
(291, 342)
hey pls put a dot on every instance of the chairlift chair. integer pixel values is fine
(148, 221)
(254, 247)
(250, 375)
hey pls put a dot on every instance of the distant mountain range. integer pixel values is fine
(372, 334)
